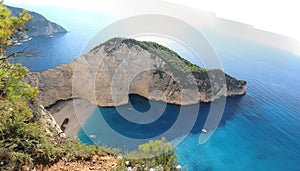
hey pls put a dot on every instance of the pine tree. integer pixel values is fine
(10, 27)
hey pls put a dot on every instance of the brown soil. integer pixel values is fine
(101, 162)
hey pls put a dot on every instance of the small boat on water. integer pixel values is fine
(204, 130)
(93, 136)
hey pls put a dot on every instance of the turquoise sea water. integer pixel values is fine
(258, 131)
(263, 133)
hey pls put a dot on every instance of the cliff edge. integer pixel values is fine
(119, 67)
(38, 25)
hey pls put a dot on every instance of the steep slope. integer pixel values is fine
(108, 73)
(38, 25)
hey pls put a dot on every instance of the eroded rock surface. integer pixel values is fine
(108, 73)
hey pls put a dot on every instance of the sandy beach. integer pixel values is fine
(76, 110)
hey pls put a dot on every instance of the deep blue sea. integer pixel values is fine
(258, 131)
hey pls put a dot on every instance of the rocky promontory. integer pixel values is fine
(38, 25)
(119, 67)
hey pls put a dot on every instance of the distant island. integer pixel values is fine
(38, 25)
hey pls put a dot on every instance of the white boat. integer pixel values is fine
(93, 136)
(204, 130)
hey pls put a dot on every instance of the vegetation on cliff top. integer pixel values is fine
(168, 55)
(24, 140)
(157, 154)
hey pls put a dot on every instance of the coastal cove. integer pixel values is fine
(258, 131)
(113, 122)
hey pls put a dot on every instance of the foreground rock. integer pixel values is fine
(38, 25)
(119, 67)
(44, 117)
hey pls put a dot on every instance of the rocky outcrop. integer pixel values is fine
(38, 25)
(43, 116)
(119, 67)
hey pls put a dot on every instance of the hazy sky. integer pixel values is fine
(277, 16)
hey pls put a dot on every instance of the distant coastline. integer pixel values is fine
(37, 26)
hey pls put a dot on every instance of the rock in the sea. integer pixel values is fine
(119, 67)
(38, 25)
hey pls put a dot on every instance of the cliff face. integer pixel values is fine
(38, 25)
(108, 73)
(46, 119)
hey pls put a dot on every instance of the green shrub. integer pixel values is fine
(168, 55)
(10, 25)
(155, 153)
(74, 150)
(24, 141)
(11, 82)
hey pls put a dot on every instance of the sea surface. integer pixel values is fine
(258, 131)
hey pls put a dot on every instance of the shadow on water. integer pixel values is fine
(139, 103)
(139, 130)
(161, 125)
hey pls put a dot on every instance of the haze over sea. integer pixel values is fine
(258, 131)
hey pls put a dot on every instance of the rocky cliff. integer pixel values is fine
(119, 67)
(43, 116)
(38, 25)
